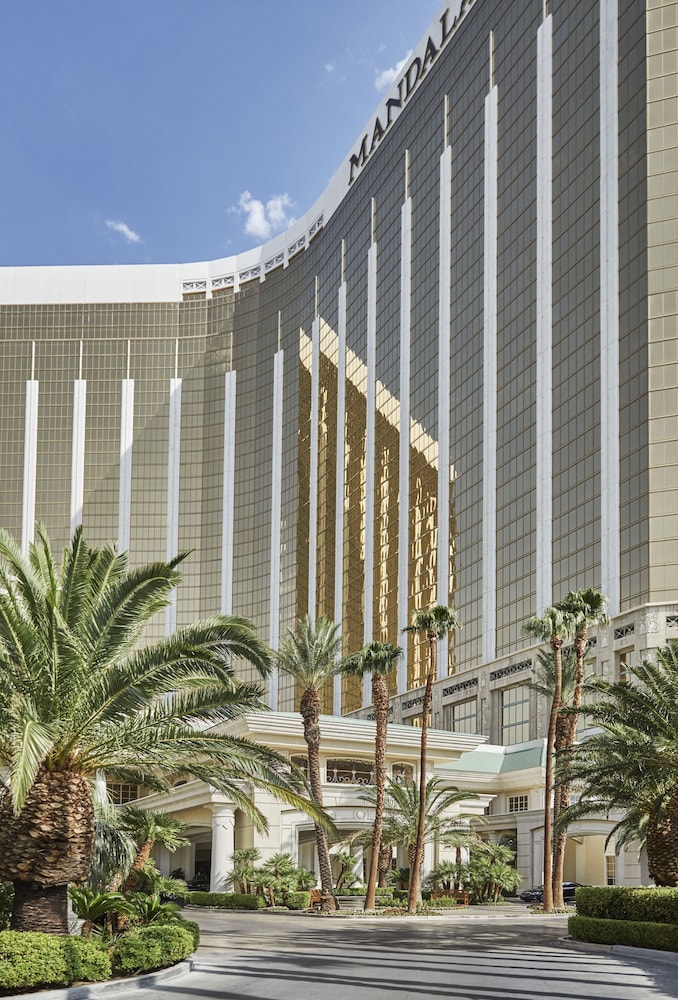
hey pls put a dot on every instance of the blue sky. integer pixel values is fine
(157, 131)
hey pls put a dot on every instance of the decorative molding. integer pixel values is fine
(462, 686)
(514, 668)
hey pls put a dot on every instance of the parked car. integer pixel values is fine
(536, 895)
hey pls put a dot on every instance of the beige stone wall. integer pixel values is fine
(662, 226)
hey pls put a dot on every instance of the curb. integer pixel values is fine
(90, 990)
(623, 950)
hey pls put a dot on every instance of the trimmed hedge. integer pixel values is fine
(31, 958)
(298, 900)
(640, 904)
(227, 900)
(361, 890)
(633, 933)
(152, 947)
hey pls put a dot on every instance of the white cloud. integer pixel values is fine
(264, 220)
(386, 77)
(124, 230)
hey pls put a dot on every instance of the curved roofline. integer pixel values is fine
(99, 283)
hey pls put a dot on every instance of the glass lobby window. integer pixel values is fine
(350, 772)
(515, 715)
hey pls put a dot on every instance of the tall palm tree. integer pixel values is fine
(588, 608)
(401, 814)
(378, 659)
(434, 623)
(78, 696)
(554, 627)
(632, 764)
(310, 656)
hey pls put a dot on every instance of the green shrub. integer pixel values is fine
(384, 899)
(298, 900)
(193, 930)
(628, 903)
(400, 895)
(152, 947)
(441, 902)
(636, 934)
(6, 901)
(88, 961)
(227, 900)
(30, 958)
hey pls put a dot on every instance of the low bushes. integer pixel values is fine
(227, 900)
(637, 934)
(298, 900)
(628, 903)
(152, 947)
(638, 917)
(29, 959)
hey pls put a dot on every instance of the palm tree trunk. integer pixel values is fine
(310, 712)
(40, 908)
(662, 844)
(385, 858)
(380, 702)
(143, 854)
(548, 782)
(414, 895)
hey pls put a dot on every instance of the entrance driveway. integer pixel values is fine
(507, 954)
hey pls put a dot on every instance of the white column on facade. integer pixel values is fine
(228, 493)
(78, 448)
(173, 482)
(370, 445)
(276, 515)
(223, 846)
(313, 478)
(340, 470)
(126, 446)
(30, 458)
(404, 470)
(609, 307)
(444, 366)
(489, 615)
(544, 279)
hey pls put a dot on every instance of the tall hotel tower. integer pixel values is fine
(454, 381)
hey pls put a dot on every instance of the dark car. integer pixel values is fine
(537, 895)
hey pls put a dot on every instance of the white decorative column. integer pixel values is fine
(489, 616)
(173, 480)
(404, 445)
(30, 458)
(228, 502)
(223, 846)
(370, 435)
(314, 459)
(276, 513)
(544, 332)
(78, 448)
(340, 467)
(609, 307)
(444, 370)
(125, 473)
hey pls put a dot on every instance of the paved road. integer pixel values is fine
(513, 956)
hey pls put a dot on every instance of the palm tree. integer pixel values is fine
(310, 656)
(379, 659)
(435, 623)
(554, 627)
(148, 828)
(632, 764)
(402, 815)
(588, 607)
(78, 697)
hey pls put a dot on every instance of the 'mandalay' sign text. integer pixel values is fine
(413, 75)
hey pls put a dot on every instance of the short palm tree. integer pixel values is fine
(401, 814)
(378, 659)
(632, 764)
(148, 828)
(310, 656)
(554, 627)
(434, 623)
(79, 696)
